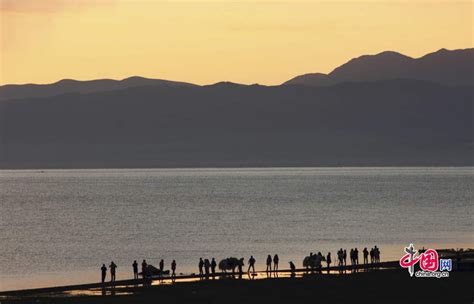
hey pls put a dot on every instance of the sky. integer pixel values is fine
(203, 42)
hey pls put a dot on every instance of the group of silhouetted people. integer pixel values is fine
(144, 272)
(113, 268)
(354, 256)
(375, 255)
(207, 267)
(275, 260)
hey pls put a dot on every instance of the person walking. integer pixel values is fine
(251, 264)
(269, 263)
(104, 272)
(135, 269)
(112, 267)
(276, 260)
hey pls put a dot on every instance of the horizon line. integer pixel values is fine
(221, 81)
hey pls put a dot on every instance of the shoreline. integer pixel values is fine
(127, 282)
(387, 285)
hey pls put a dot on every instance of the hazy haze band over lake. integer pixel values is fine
(59, 226)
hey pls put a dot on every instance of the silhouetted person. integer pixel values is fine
(269, 263)
(340, 257)
(239, 266)
(173, 268)
(344, 256)
(207, 266)
(251, 264)
(292, 266)
(351, 255)
(213, 266)
(372, 255)
(377, 254)
(328, 260)
(356, 256)
(112, 271)
(144, 265)
(162, 266)
(320, 267)
(201, 265)
(104, 272)
(135, 269)
(366, 255)
(276, 260)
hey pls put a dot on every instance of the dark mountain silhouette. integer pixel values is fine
(75, 86)
(381, 110)
(443, 67)
(383, 123)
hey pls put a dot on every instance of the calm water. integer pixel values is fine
(59, 226)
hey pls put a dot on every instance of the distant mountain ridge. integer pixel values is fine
(380, 123)
(445, 67)
(14, 91)
(376, 110)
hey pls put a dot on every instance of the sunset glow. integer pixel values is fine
(208, 41)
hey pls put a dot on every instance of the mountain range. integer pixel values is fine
(443, 67)
(358, 115)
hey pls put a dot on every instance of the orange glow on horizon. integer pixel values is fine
(204, 42)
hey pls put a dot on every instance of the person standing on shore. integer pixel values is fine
(144, 265)
(251, 264)
(328, 260)
(112, 271)
(269, 263)
(162, 266)
(173, 268)
(135, 269)
(276, 260)
(240, 266)
(213, 266)
(104, 272)
(365, 252)
(356, 256)
(377, 254)
(344, 256)
(201, 265)
(207, 266)
(292, 267)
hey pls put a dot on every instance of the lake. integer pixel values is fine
(59, 226)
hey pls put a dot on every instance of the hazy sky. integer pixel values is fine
(203, 42)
